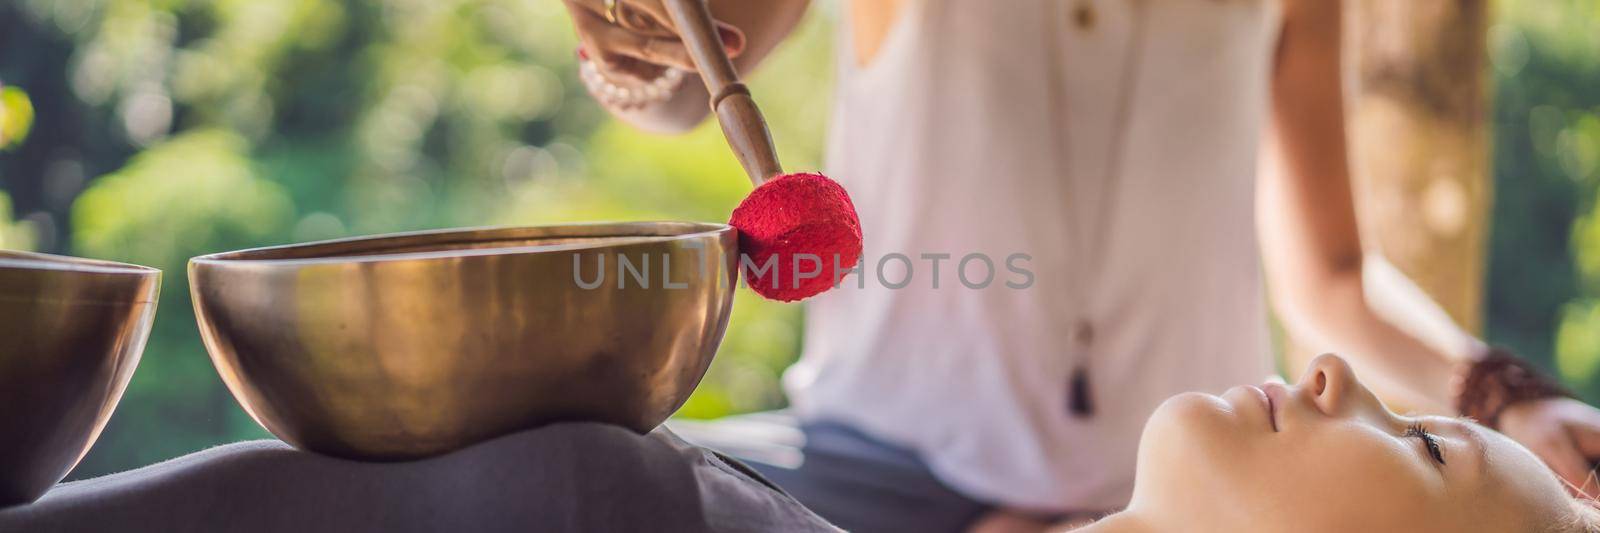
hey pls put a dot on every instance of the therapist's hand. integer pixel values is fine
(1564, 432)
(642, 42)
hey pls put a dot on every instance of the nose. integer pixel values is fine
(1332, 386)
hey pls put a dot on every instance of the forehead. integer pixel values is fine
(1506, 461)
(1516, 483)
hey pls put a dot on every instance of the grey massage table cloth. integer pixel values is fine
(566, 477)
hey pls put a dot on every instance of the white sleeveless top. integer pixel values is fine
(1116, 147)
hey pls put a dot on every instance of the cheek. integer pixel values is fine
(1312, 481)
(1199, 460)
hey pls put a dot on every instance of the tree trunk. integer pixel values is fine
(1419, 138)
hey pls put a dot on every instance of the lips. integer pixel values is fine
(1266, 401)
(1274, 393)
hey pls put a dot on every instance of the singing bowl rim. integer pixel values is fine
(25, 260)
(351, 250)
(83, 272)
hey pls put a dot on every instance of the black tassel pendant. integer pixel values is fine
(1080, 399)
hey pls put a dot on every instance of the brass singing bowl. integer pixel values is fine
(71, 333)
(404, 346)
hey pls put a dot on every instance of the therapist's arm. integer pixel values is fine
(1311, 245)
(1330, 295)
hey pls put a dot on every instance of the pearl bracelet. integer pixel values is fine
(628, 95)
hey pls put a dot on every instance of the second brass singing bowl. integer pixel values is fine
(409, 345)
(71, 333)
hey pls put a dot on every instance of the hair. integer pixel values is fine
(1585, 518)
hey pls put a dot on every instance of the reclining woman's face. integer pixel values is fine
(1326, 455)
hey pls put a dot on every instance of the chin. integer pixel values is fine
(1184, 454)
(1185, 424)
(1191, 408)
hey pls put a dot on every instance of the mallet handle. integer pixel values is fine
(736, 111)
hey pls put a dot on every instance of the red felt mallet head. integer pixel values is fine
(799, 234)
(803, 223)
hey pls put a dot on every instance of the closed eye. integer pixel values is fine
(1418, 431)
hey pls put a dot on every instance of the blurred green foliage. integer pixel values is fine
(1544, 272)
(171, 128)
(13, 235)
(16, 116)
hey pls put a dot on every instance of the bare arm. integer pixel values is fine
(1311, 243)
(757, 27)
